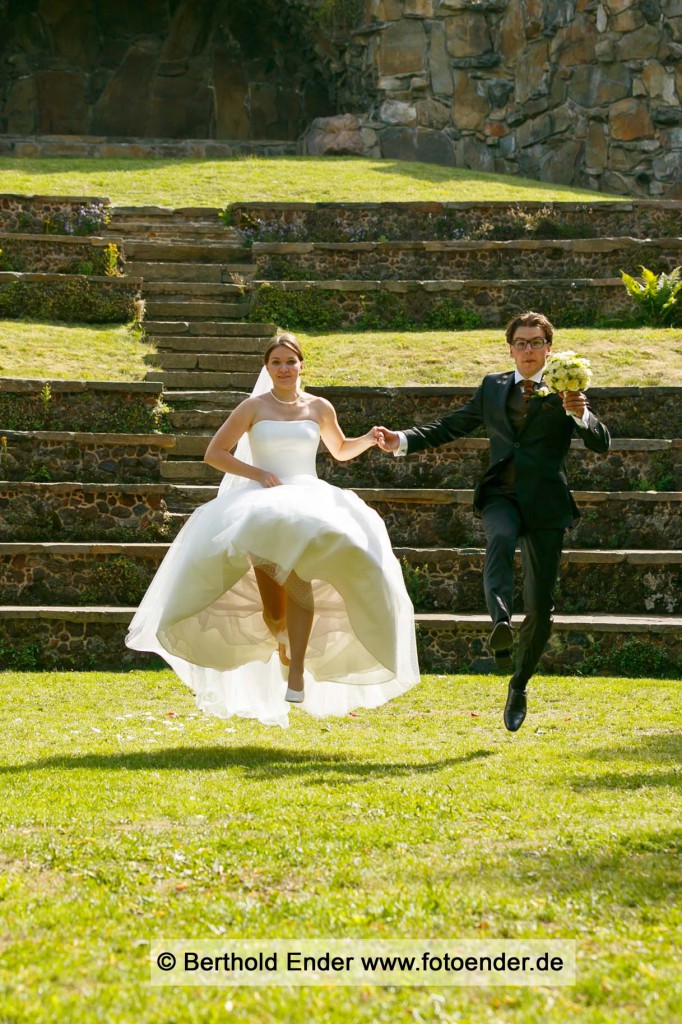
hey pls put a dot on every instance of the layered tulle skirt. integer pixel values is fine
(204, 614)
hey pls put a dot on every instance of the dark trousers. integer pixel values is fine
(540, 555)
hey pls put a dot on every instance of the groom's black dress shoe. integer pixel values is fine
(500, 643)
(515, 709)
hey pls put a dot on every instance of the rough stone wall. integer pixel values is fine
(225, 69)
(587, 92)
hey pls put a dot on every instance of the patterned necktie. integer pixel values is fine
(528, 389)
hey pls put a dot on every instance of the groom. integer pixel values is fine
(523, 495)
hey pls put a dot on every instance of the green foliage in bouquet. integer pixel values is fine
(658, 297)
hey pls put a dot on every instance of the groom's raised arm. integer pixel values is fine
(453, 425)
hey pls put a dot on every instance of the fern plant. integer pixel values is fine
(656, 296)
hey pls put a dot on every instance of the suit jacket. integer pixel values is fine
(538, 449)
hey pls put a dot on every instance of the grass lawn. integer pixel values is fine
(283, 179)
(66, 352)
(127, 816)
(633, 356)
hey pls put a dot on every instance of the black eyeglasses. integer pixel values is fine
(534, 343)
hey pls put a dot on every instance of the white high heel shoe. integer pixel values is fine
(294, 696)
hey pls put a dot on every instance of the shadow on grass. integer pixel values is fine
(636, 868)
(440, 173)
(260, 762)
(659, 749)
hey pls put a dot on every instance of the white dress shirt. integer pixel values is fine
(582, 421)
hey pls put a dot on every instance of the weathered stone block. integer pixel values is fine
(470, 107)
(641, 44)
(334, 135)
(467, 35)
(629, 119)
(597, 85)
(393, 112)
(402, 48)
(575, 43)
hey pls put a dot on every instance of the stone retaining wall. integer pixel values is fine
(640, 466)
(32, 213)
(608, 520)
(437, 261)
(83, 639)
(86, 457)
(403, 304)
(632, 412)
(74, 511)
(112, 406)
(587, 650)
(77, 574)
(440, 579)
(441, 221)
(56, 254)
(74, 298)
(617, 582)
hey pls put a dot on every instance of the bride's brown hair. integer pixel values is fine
(286, 339)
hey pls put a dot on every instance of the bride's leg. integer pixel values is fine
(274, 598)
(300, 611)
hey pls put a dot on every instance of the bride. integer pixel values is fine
(281, 574)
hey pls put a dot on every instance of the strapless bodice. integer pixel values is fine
(286, 448)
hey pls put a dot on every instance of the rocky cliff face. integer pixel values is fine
(231, 69)
(581, 91)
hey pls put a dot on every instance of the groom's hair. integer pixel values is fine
(530, 319)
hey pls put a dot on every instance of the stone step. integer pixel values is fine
(216, 272)
(211, 328)
(207, 361)
(190, 472)
(168, 251)
(352, 303)
(168, 343)
(211, 401)
(639, 465)
(445, 260)
(188, 291)
(195, 309)
(438, 579)
(84, 456)
(182, 379)
(437, 518)
(199, 420)
(70, 637)
(634, 412)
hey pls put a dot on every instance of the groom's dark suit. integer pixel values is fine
(523, 496)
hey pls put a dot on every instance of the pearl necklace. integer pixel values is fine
(282, 401)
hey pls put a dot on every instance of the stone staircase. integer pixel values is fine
(78, 546)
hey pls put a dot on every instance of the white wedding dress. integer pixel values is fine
(203, 611)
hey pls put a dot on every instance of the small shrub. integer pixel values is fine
(635, 658)
(658, 298)
(84, 220)
(119, 580)
(255, 229)
(337, 15)
(386, 311)
(70, 301)
(447, 316)
(307, 308)
(416, 583)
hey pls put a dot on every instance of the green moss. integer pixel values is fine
(72, 301)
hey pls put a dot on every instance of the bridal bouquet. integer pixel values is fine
(566, 371)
